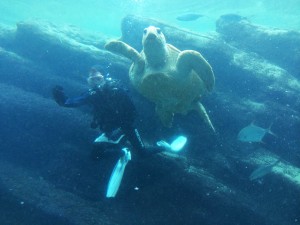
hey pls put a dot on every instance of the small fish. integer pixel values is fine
(189, 17)
(262, 171)
(253, 133)
(232, 17)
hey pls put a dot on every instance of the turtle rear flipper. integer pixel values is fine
(202, 112)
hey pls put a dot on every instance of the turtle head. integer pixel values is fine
(153, 35)
(154, 43)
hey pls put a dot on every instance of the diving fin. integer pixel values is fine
(117, 174)
(104, 139)
(176, 145)
(202, 112)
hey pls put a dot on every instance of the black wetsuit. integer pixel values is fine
(112, 109)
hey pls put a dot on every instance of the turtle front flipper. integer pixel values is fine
(202, 112)
(192, 60)
(120, 47)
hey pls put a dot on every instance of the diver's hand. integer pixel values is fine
(59, 95)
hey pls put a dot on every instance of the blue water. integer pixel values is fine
(48, 173)
(105, 16)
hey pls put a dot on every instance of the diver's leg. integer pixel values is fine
(107, 144)
(103, 151)
(134, 138)
(137, 142)
(116, 135)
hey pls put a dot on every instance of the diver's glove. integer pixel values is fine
(59, 95)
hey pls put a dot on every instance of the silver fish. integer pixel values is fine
(262, 171)
(189, 17)
(253, 133)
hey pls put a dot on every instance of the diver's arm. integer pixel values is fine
(62, 100)
(77, 101)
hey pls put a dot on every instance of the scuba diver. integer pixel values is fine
(113, 113)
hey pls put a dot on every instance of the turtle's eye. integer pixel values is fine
(158, 30)
(145, 31)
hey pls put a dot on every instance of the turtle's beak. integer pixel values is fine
(151, 36)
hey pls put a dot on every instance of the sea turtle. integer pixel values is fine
(174, 80)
